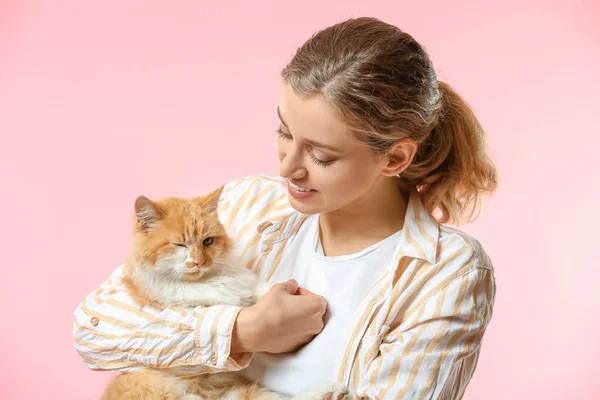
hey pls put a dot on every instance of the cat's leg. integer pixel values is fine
(253, 392)
(192, 397)
(330, 391)
(147, 384)
(333, 391)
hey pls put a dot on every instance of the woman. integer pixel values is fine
(385, 299)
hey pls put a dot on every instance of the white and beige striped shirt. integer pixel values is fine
(418, 332)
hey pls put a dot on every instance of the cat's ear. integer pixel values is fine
(147, 213)
(211, 200)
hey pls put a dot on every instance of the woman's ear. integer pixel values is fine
(399, 157)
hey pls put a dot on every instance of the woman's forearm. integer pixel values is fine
(245, 336)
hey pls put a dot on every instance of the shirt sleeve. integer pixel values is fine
(112, 332)
(432, 353)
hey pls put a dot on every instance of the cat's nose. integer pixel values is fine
(199, 261)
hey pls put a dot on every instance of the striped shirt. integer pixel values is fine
(418, 331)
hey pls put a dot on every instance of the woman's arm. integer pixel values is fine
(432, 353)
(112, 332)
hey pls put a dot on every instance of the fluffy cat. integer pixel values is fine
(182, 256)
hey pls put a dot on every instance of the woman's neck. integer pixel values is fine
(377, 215)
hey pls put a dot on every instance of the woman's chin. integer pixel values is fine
(304, 207)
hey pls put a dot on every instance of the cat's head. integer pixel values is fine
(177, 239)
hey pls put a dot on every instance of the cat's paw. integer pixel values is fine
(329, 391)
(338, 392)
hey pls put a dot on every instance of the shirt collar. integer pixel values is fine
(419, 238)
(420, 232)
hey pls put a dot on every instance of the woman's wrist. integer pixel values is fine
(245, 336)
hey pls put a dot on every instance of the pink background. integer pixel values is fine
(102, 101)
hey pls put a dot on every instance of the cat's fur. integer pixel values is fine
(182, 256)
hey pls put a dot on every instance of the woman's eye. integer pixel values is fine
(320, 163)
(207, 241)
(283, 135)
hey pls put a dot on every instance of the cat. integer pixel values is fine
(183, 256)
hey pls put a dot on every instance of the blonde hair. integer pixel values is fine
(383, 85)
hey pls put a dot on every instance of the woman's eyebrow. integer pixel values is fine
(309, 141)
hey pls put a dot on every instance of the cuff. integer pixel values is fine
(214, 331)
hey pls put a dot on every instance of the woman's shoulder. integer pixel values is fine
(446, 258)
(250, 200)
(253, 183)
(250, 191)
(461, 249)
(460, 265)
(465, 271)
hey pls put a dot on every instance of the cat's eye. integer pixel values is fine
(207, 242)
(179, 244)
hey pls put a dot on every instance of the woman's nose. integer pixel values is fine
(290, 166)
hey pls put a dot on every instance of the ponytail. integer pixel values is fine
(451, 169)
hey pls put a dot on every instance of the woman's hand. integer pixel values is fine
(283, 320)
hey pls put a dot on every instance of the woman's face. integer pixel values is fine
(318, 154)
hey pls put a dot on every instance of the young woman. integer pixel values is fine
(371, 289)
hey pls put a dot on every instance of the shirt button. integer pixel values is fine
(213, 360)
(94, 321)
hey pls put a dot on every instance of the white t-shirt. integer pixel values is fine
(343, 281)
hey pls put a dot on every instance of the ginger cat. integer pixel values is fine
(182, 256)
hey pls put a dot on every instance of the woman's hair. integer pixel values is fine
(383, 85)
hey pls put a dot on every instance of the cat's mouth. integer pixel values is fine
(195, 273)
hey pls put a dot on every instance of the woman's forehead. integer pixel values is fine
(312, 119)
